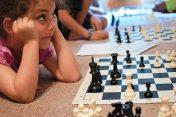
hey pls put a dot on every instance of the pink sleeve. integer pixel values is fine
(6, 59)
(43, 54)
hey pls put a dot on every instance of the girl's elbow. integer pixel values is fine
(76, 77)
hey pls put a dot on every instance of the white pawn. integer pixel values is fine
(129, 93)
(173, 110)
(157, 54)
(157, 62)
(147, 37)
(164, 110)
(172, 56)
(168, 56)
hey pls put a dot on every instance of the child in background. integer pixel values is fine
(27, 29)
(75, 21)
(168, 6)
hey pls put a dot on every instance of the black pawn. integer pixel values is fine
(140, 28)
(118, 37)
(128, 57)
(133, 28)
(141, 62)
(138, 112)
(128, 38)
(148, 93)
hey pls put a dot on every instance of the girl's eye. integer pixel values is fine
(42, 18)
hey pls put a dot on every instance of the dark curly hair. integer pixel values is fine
(13, 9)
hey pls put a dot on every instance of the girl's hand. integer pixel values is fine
(25, 30)
(96, 23)
(99, 34)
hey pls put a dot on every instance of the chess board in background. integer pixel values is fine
(162, 80)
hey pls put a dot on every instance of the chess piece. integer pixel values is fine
(148, 93)
(112, 20)
(115, 74)
(118, 109)
(133, 28)
(95, 85)
(168, 56)
(128, 58)
(129, 77)
(94, 109)
(172, 56)
(129, 93)
(173, 110)
(157, 62)
(125, 108)
(141, 62)
(114, 58)
(130, 111)
(92, 65)
(78, 110)
(138, 112)
(164, 110)
(128, 38)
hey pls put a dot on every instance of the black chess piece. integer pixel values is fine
(114, 58)
(128, 57)
(118, 109)
(112, 20)
(126, 109)
(141, 62)
(140, 28)
(99, 73)
(133, 28)
(118, 36)
(148, 93)
(95, 85)
(138, 112)
(130, 112)
(92, 65)
(115, 74)
(128, 38)
(117, 23)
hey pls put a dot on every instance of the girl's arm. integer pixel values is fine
(21, 86)
(62, 65)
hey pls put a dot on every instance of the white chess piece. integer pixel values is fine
(129, 93)
(164, 110)
(147, 37)
(172, 56)
(129, 75)
(94, 109)
(168, 56)
(157, 54)
(157, 62)
(78, 110)
(173, 110)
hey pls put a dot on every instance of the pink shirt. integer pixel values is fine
(6, 57)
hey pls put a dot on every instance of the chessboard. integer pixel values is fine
(162, 80)
(147, 34)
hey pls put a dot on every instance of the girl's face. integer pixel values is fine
(42, 13)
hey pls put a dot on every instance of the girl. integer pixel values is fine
(27, 28)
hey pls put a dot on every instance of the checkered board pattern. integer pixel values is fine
(162, 80)
(164, 35)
